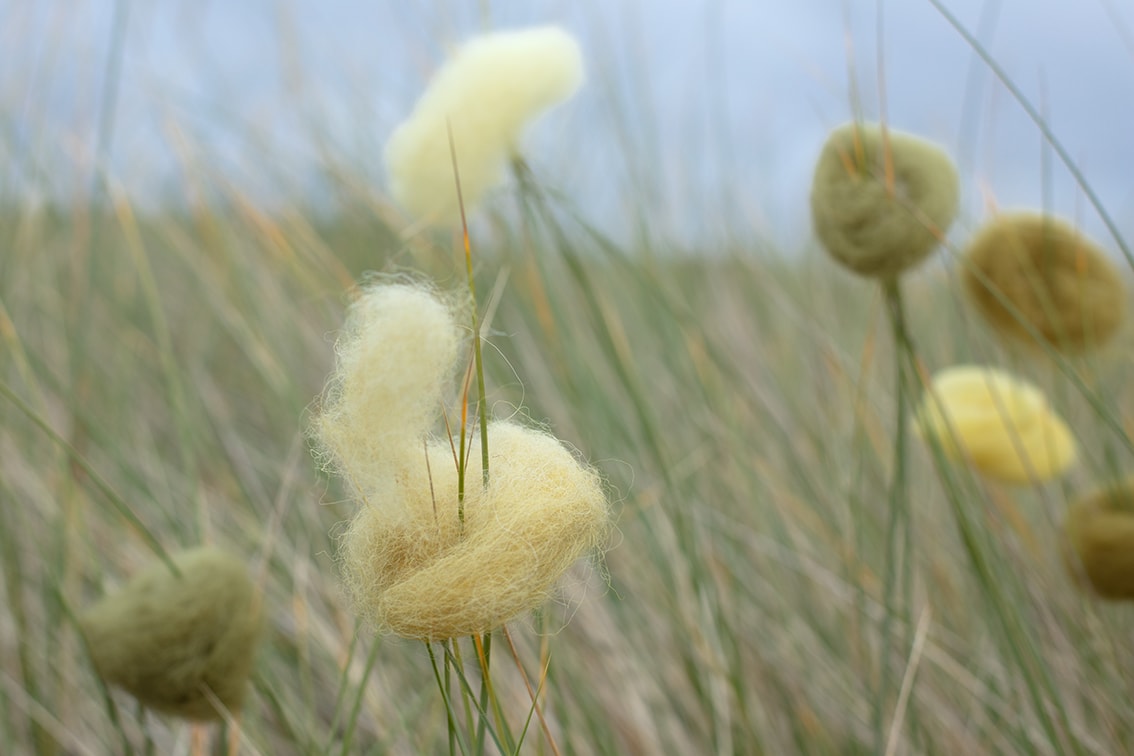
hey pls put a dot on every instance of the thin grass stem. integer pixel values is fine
(448, 694)
(356, 709)
(531, 693)
(898, 531)
(443, 687)
(454, 659)
(340, 691)
(482, 712)
(99, 482)
(1041, 124)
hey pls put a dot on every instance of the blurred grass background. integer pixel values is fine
(738, 399)
(738, 405)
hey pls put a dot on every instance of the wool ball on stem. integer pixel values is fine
(1100, 540)
(997, 422)
(420, 558)
(874, 226)
(177, 641)
(415, 570)
(487, 94)
(1032, 275)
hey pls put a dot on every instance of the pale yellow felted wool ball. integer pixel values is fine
(486, 94)
(859, 221)
(174, 642)
(1100, 536)
(1029, 272)
(1000, 424)
(413, 569)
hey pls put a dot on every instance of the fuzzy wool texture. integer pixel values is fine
(1099, 529)
(487, 92)
(173, 641)
(395, 363)
(410, 566)
(1000, 424)
(1026, 270)
(859, 221)
(414, 570)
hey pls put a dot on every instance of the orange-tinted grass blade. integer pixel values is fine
(532, 693)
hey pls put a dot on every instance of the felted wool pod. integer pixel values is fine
(865, 226)
(418, 558)
(1027, 272)
(173, 641)
(485, 95)
(412, 568)
(1100, 540)
(1000, 424)
(394, 363)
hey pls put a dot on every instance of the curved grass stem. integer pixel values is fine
(483, 648)
(445, 687)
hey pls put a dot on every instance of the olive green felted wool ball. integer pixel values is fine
(1028, 272)
(174, 642)
(874, 229)
(1100, 537)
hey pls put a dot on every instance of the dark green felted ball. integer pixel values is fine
(865, 226)
(1027, 272)
(1100, 539)
(170, 640)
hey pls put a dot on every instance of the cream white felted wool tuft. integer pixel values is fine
(488, 92)
(395, 363)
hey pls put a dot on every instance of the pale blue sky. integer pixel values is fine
(719, 106)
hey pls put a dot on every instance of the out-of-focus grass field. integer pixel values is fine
(739, 406)
(739, 401)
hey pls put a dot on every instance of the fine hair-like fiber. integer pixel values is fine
(1025, 269)
(1100, 540)
(999, 423)
(865, 226)
(175, 641)
(395, 361)
(410, 565)
(412, 568)
(487, 93)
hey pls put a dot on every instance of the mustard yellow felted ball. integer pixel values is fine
(1100, 539)
(1000, 424)
(864, 225)
(173, 642)
(1025, 270)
